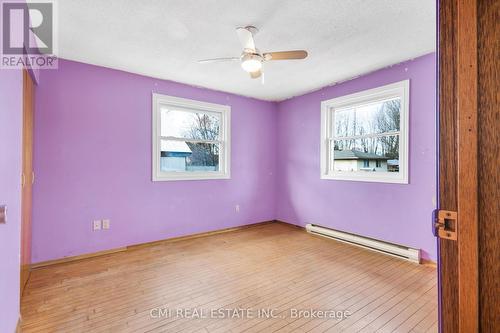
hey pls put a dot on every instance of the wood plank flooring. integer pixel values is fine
(275, 268)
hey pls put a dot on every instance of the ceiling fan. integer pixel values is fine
(251, 58)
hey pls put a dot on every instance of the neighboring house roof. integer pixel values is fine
(175, 147)
(356, 155)
(393, 162)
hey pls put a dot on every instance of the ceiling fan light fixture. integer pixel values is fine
(251, 58)
(251, 63)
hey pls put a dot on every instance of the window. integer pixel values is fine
(368, 126)
(190, 139)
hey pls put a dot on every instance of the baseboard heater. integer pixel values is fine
(395, 250)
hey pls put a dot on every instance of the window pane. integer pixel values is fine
(373, 118)
(345, 122)
(366, 155)
(190, 125)
(187, 156)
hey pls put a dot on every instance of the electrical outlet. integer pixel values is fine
(96, 225)
(106, 224)
(237, 208)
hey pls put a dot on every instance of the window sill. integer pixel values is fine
(165, 177)
(366, 178)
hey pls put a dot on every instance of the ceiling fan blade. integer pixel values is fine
(204, 61)
(246, 39)
(255, 75)
(285, 55)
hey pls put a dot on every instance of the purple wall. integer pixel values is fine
(11, 108)
(93, 161)
(391, 212)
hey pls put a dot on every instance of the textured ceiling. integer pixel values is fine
(163, 39)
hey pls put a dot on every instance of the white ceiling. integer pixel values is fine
(164, 39)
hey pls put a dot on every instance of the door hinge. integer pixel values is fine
(446, 224)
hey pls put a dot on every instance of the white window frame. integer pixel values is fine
(194, 106)
(399, 89)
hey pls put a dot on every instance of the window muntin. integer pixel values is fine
(190, 140)
(364, 135)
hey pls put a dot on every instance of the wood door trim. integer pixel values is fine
(489, 159)
(448, 258)
(26, 178)
(468, 311)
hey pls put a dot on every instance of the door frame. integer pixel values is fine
(27, 178)
(458, 164)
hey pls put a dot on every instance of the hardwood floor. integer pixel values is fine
(272, 267)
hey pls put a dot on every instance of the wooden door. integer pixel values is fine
(27, 177)
(469, 122)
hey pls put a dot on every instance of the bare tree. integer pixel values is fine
(205, 127)
(385, 120)
(388, 120)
